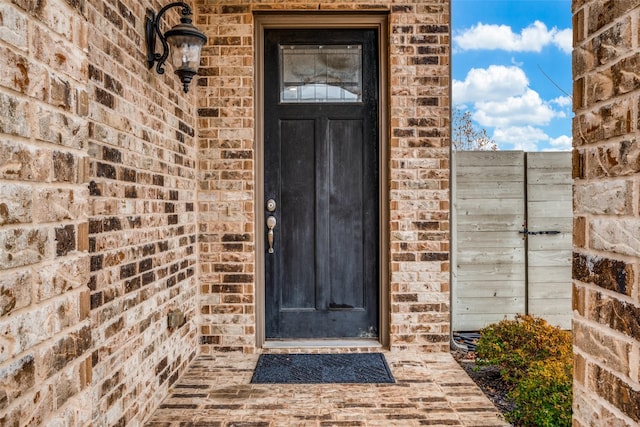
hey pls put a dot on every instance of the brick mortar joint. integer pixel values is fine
(607, 331)
(51, 340)
(33, 394)
(604, 254)
(32, 105)
(612, 295)
(630, 96)
(78, 84)
(587, 9)
(624, 379)
(613, 142)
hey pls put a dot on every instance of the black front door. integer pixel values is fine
(321, 174)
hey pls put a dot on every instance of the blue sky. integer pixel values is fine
(502, 50)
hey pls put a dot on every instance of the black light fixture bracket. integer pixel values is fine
(184, 29)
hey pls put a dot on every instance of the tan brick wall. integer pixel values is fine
(418, 171)
(606, 261)
(142, 229)
(45, 335)
(97, 216)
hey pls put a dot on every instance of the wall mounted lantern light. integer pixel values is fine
(182, 42)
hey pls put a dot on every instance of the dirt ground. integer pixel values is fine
(488, 379)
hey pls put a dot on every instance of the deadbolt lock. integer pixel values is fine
(271, 205)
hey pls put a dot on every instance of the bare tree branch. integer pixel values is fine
(466, 136)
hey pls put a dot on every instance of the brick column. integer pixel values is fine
(606, 168)
(419, 176)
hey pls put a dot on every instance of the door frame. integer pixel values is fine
(377, 20)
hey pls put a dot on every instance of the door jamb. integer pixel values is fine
(371, 19)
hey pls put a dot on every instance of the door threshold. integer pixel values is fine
(353, 343)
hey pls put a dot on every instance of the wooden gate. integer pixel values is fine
(512, 237)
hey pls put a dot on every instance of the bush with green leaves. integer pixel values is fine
(544, 396)
(536, 362)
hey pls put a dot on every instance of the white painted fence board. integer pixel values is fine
(488, 289)
(493, 305)
(491, 256)
(557, 224)
(498, 223)
(496, 272)
(491, 174)
(549, 160)
(547, 274)
(499, 190)
(550, 290)
(488, 158)
(553, 209)
(469, 322)
(558, 258)
(541, 193)
(499, 239)
(542, 306)
(562, 241)
(549, 176)
(489, 205)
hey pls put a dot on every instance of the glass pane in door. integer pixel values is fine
(321, 73)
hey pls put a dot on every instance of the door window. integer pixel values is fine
(320, 73)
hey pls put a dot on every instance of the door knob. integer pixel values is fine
(271, 224)
(271, 205)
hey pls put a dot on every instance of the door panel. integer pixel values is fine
(297, 214)
(346, 243)
(321, 168)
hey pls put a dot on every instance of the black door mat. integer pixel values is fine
(351, 368)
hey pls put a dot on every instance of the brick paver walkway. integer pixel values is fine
(430, 390)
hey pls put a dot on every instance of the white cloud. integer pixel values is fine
(524, 138)
(488, 84)
(499, 98)
(562, 101)
(561, 143)
(529, 138)
(501, 37)
(564, 40)
(526, 109)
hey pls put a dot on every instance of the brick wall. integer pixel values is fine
(606, 261)
(418, 171)
(119, 192)
(142, 231)
(97, 216)
(45, 335)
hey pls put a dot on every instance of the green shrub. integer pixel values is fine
(513, 345)
(536, 361)
(543, 397)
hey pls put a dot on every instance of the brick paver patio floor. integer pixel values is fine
(430, 390)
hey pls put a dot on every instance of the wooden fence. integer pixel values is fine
(512, 237)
